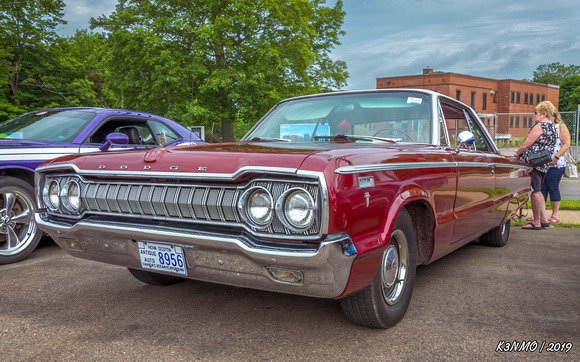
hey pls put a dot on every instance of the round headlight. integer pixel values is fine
(51, 197)
(71, 196)
(258, 205)
(298, 208)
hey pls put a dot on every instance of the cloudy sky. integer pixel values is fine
(498, 39)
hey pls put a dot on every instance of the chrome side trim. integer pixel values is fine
(174, 175)
(346, 170)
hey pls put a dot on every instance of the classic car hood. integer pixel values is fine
(230, 158)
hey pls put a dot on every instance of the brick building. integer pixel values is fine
(486, 96)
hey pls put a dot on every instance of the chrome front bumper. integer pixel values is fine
(212, 257)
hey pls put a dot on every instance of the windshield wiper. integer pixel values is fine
(346, 138)
(265, 139)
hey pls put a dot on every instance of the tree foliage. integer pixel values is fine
(39, 68)
(570, 93)
(554, 73)
(220, 63)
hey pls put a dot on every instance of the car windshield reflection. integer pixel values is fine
(356, 117)
(54, 126)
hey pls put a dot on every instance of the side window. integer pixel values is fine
(137, 131)
(443, 136)
(139, 134)
(456, 119)
(161, 128)
(480, 141)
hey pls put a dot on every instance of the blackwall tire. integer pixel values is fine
(19, 234)
(497, 237)
(152, 278)
(385, 301)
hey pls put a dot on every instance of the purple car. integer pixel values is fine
(32, 138)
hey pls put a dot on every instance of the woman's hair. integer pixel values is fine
(557, 118)
(546, 107)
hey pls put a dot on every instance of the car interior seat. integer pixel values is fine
(133, 135)
(98, 137)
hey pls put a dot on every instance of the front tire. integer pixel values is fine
(19, 234)
(154, 278)
(385, 301)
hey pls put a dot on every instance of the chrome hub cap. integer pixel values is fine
(16, 225)
(394, 268)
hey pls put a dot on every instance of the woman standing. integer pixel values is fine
(551, 186)
(542, 136)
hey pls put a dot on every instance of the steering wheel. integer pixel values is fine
(403, 133)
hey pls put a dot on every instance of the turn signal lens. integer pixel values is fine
(285, 275)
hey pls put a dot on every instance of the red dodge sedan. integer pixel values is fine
(338, 195)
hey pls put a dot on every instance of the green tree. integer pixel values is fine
(220, 63)
(40, 69)
(554, 73)
(570, 93)
(28, 28)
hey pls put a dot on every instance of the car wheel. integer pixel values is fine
(385, 301)
(154, 278)
(19, 234)
(498, 236)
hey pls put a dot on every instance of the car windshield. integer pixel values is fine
(359, 117)
(59, 126)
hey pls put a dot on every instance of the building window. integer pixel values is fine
(517, 121)
(531, 98)
(525, 98)
(513, 97)
(512, 122)
(458, 94)
(543, 98)
(525, 122)
(537, 98)
(518, 98)
(484, 105)
(473, 100)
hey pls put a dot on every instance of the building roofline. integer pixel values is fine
(470, 76)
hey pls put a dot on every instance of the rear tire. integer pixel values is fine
(497, 237)
(385, 301)
(154, 278)
(19, 234)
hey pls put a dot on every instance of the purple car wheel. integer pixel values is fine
(19, 234)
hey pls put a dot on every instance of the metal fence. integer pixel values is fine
(510, 129)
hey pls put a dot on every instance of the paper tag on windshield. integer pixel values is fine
(414, 100)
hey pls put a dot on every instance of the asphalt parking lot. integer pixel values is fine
(474, 303)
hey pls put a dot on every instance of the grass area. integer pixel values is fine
(564, 205)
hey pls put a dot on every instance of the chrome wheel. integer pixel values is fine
(19, 234)
(384, 302)
(394, 267)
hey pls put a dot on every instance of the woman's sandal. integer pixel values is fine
(554, 220)
(531, 226)
(531, 218)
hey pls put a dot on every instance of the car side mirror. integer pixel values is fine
(116, 138)
(466, 139)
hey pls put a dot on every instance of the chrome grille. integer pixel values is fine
(197, 203)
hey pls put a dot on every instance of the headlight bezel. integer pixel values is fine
(284, 215)
(51, 196)
(245, 207)
(66, 198)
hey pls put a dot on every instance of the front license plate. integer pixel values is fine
(162, 257)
